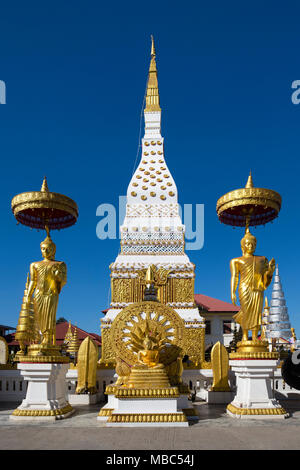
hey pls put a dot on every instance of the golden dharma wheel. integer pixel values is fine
(249, 206)
(159, 321)
(38, 209)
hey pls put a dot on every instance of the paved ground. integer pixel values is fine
(214, 430)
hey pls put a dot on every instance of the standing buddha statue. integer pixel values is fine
(255, 275)
(47, 277)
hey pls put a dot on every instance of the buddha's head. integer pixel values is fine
(48, 248)
(147, 343)
(248, 243)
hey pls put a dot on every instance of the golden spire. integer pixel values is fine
(74, 343)
(69, 334)
(44, 187)
(249, 182)
(152, 97)
(266, 302)
(153, 53)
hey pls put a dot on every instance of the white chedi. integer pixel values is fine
(278, 320)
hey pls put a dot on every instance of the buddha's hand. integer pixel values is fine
(233, 298)
(58, 272)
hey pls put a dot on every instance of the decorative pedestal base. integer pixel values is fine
(129, 407)
(46, 392)
(254, 397)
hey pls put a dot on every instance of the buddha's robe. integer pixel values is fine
(48, 277)
(254, 280)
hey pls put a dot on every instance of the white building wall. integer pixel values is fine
(216, 324)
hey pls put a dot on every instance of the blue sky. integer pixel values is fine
(75, 75)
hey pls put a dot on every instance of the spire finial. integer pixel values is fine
(153, 53)
(152, 97)
(250, 181)
(44, 187)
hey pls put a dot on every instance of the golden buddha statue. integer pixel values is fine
(148, 371)
(255, 274)
(47, 277)
(149, 356)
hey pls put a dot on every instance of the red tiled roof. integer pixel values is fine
(210, 304)
(214, 305)
(62, 328)
(61, 331)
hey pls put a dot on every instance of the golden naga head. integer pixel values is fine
(248, 243)
(48, 248)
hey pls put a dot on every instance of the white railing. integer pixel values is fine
(13, 387)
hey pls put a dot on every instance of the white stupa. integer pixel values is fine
(152, 232)
(278, 319)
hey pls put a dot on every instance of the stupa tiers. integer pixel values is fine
(152, 234)
(278, 325)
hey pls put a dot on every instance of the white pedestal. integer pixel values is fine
(144, 412)
(254, 395)
(83, 399)
(46, 392)
(106, 410)
(215, 398)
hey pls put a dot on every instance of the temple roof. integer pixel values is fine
(61, 331)
(62, 328)
(214, 305)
